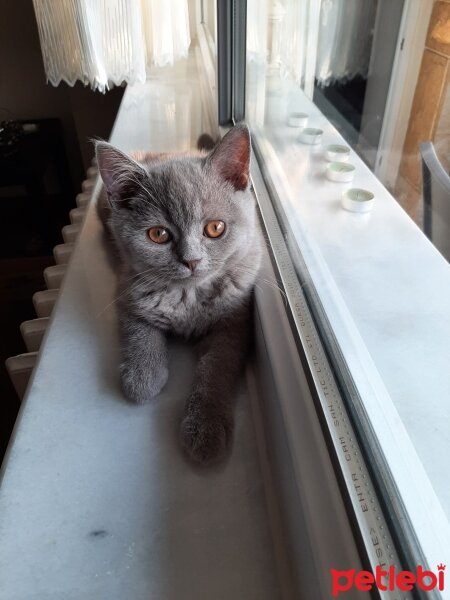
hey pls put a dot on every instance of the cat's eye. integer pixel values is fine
(159, 235)
(214, 229)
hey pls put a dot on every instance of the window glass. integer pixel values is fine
(342, 97)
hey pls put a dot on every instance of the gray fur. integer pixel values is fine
(159, 295)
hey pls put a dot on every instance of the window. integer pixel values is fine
(339, 98)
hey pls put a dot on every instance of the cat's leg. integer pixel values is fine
(207, 424)
(144, 363)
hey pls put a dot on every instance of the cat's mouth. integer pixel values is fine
(193, 276)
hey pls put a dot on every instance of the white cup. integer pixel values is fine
(337, 153)
(297, 119)
(341, 172)
(310, 135)
(358, 200)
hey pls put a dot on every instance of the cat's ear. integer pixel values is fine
(121, 174)
(231, 157)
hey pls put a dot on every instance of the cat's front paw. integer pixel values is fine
(141, 385)
(206, 433)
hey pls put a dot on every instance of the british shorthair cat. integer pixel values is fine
(189, 246)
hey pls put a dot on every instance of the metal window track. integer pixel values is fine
(353, 470)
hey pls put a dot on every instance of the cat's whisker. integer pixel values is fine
(124, 177)
(133, 287)
(270, 283)
(153, 198)
(275, 286)
(139, 274)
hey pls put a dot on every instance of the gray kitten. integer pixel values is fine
(187, 234)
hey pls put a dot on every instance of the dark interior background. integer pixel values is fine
(31, 218)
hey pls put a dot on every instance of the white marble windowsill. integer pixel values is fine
(97, 500)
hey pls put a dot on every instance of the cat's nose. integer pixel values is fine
(192, 264)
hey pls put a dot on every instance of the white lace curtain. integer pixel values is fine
(284, 35)
(345, 39)
(299, 35)
(308, 40)
(107, 42)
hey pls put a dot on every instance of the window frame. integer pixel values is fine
(406, 542)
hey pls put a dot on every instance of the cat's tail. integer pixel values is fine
(205, 142)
